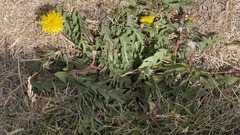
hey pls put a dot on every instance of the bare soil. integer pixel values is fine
(219, 18)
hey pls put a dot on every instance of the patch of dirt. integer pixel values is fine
(219, 18)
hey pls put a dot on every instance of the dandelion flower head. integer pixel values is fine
(147, 19)
(52, 22)
(190, 18)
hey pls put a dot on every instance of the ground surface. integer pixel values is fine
(21, 34)
(220, 19)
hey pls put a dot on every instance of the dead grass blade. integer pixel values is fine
(31, 95)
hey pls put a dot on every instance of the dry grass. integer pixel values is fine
(21, 34)
(220, 19)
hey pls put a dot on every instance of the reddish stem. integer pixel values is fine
(190, 61)
(169, 21)
(92, 64)
(177, 44)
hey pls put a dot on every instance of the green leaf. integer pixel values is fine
(175, 6)
(139, 36)
(210, 41)
(226, 80)
(87, 115)
(156, 59)
(116, 96)
(105, 30)
(130, 21)
(187, 23)
(201, 46)
(75, 16)
(208, 83)
(126, 58)
(76, 29)
(103, 90)
(62, 76)
(192, 93)
(67, 27)
(174, 68)
(132, 2)
(59, 8)
(48, 84)
(34, 65)
(165, 1)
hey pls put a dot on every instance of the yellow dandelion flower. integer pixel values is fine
(190, 18)
(52, 22)
(172, 112)
(147, 19)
